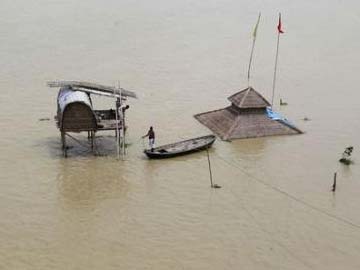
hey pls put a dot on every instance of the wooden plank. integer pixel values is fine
(96, 92)
(93, 88)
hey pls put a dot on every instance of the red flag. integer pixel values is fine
(279, 25)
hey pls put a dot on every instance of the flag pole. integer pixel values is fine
(275, 69)
(252, 49)
(276, 60)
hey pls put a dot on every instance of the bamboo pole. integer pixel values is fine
(250, 61)
(117, 129)
(122, 124)
(334, 184)
(124, 132)
(208, 157)
(210, 173)
(122, 117)
(252, 49)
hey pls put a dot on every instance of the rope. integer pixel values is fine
(85, 145)
(292, 197)
(76, 140)
(267, 232)
(271, 235)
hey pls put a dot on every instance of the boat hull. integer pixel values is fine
(181, 148)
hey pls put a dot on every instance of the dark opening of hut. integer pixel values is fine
(249, 115)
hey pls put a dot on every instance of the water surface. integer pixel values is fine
(274, 210)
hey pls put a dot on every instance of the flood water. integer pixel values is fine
(274, 210)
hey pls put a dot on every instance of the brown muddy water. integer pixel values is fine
(274, 210)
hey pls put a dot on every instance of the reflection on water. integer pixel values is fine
(249, 148)
(87, 181)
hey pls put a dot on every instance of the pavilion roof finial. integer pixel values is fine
(248, 98)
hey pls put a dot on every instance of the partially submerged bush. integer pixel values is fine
(345, 159)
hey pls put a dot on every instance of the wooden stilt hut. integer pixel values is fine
(248, 116)
(75, 112)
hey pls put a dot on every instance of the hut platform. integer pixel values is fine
(75, 112)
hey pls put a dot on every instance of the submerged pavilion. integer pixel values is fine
(248, 116)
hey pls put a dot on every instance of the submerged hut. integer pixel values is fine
(249, 115)
(75, 112)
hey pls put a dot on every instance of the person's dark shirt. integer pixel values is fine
(151, 134)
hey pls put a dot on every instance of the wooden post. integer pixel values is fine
(124, 130)
(63, 141)
(334, 184)
(117, 132)
(124, 142)
(92, 140)
(208, 157)
(122, 118)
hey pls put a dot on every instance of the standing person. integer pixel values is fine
(151, 135)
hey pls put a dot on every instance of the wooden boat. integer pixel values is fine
(181, 148)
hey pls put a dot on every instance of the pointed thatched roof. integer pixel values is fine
(248, 98)
(247, 117)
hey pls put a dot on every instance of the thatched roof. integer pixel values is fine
(248, 98)
(241, 120)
